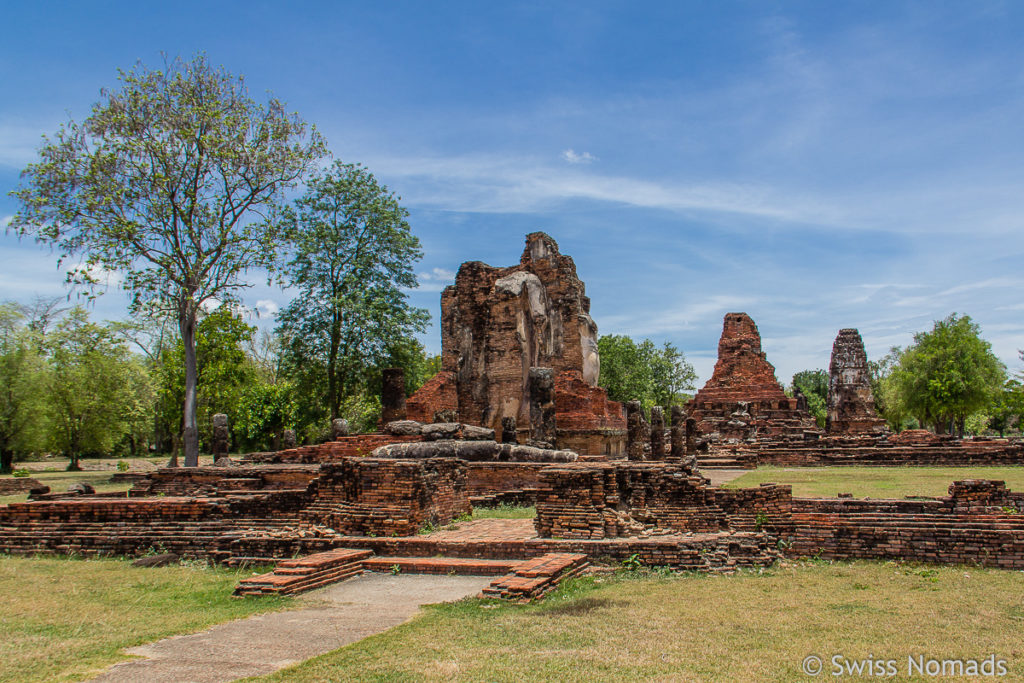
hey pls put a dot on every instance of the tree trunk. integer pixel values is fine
(333, 400)
(190, 431)
(6, 460)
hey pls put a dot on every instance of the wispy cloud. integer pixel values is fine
(574, 157)
(18, 144)
(267, 308)
(489, 184)
(435, 279)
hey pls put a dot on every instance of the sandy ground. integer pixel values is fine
(332, 617)
(719, 477)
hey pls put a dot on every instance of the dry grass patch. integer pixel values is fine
(875, 482)
(749, 626)
(64, 618)
(505, 512)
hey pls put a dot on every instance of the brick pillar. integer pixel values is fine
(392, 395)
(221, 436)
(691, 436)
(678, 450)
(542, 406)
(638, 432)
(657, 433)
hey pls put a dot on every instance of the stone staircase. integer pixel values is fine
(305, 573)
(519, 580)
(532, 579)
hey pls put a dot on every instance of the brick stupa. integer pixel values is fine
(496, 324)
(851, 404)
(743, 399)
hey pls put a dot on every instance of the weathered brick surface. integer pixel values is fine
(332, 451)
(743, 374)
(979, 523)
(919, 448)
(13, 485)
(373, 496)
(496, 324)
(533, 578)
(305, 573)
(212, 481)
(851, 404)
(608, 500)
(436, 395)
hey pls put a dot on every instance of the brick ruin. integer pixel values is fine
(499, 323)
(743, 400)
(515, 416)
(851, 404)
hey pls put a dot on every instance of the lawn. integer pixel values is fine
(59, 482)
(749, 626)
(875, 482)
(65, 618)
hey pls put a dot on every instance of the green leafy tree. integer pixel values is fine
(1007, 410)
(225, 370)
(23, 415)
(889, 401)
(166, 182)
(644, 372)
(351, 262)
(813, 384)
(265, 411)
(93, 387)
(949, 373)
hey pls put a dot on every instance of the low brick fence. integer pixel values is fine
(609, 500)
(979, 523)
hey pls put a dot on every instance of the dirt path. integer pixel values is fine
(335, 616)
(719, 477)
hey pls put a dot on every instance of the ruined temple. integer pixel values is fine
(851, 405)
(743, 400)
(499, 322)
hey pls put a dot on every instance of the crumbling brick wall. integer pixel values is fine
(979, 523)
(608, 500)
(387, 497)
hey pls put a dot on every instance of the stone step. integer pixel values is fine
(305, 573)
(533, 578)
(440, 565)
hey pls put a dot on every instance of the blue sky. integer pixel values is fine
(817, 165)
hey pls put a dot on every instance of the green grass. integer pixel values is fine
(63, 619)
(505, 512)
(59, 482)
(875, 482)
(746, 627)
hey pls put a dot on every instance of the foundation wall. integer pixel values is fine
(385, 497)
(980, 523)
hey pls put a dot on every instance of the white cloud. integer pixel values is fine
(574, 157)
(5, 222)
(435, 280)
(267, 308)
(210, 305)
(105, 277)
(438, 275)
(503, 184)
